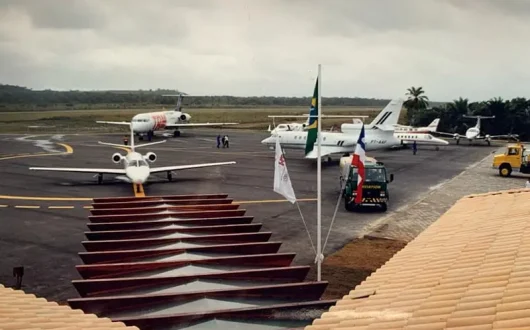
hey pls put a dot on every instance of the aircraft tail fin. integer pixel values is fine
(389, 116)
(434, 125)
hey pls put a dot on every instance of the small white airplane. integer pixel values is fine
(433, 126)
(473, 133)
(378, 135)
(148, 122)
(293, 126)
(408, 134)
(135, 167)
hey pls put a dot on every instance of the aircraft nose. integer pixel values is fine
(268, 140)
(138, 175)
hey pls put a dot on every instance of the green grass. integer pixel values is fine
(65, 121)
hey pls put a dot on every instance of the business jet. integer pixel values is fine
(378, 135)
(148, 123)
(433, 126)
(407, 135)
(293, 126)
(135, 165)
(473, 133)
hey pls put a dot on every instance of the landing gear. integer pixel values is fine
(457, 141)
(437, 148)
(176, 133)
(138, 190)
(150, 135)
(169, 176)
(329, 159)
(100, 178)
(489, 142)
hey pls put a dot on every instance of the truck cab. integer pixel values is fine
(514, 158)
(375, 185)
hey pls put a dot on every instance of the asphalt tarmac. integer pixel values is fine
(45, 235)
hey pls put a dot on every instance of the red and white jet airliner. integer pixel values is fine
(149, 122)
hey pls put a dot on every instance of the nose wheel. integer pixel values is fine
(169, 176)
(100, 178)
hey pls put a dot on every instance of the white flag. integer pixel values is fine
(282, 182)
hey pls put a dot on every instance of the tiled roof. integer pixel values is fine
(19, 310)
(190, 261)
(468, 270)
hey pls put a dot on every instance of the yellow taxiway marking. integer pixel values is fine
(30, 198)
(69, 150)
(27, 206)
(140, 192)
(61, 207)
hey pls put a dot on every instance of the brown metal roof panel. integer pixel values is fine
(158, 209)
(166, 214)
(286, 312)
(170, 222)
(109, 286)
(202, 300)
(157, 198)
(137, 203)
(174, 268)
(164, 232)
(174, 243)
(154, 255)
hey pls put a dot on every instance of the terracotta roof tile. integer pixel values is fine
(19, 310)
(468, 270)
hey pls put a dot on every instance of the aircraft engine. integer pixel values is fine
(150, 156)
(487, 137)
(455, 136)
(116, 158)
(185, 117)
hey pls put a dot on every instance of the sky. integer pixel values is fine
(477, 49)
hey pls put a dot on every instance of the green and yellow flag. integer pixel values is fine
(312, 128)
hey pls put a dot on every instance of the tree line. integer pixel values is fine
(511, 116)
(16, 97)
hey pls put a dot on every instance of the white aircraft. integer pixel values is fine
(378, 135)
(301, 126)
(410, 135)
(433, 126)
(473, 133)
(135, 167)
(148, 122)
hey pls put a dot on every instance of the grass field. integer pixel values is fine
(67, 121)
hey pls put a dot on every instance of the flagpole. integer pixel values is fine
(319, 177)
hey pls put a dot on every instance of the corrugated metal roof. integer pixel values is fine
(19, 310)
(194, 261)
(468, 270)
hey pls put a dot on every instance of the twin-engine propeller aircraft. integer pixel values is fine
(433, 126)
(135, 165)
(473, 133)
(148, 123)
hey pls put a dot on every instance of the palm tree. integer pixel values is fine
(415, 102)
(455, 112)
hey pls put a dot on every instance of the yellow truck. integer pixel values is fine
(514, 158)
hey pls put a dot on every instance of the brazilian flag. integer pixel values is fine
(312, 128)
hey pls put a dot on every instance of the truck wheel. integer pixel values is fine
(384, 207)
(348, 206)
(505, 170)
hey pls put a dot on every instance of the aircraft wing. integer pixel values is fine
(507, 136)
(114, 122)
(198, 125)
(186, 167)
(80, 170)
(449, 134)
(324, 151)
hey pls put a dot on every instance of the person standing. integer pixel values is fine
(414, 148)
(226, 141)
(218, 140)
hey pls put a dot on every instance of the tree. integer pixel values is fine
(415, 103)
(453, 117)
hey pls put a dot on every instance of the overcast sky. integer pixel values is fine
(374, 48)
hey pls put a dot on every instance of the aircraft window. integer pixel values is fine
(429, 137)
(142, 162)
